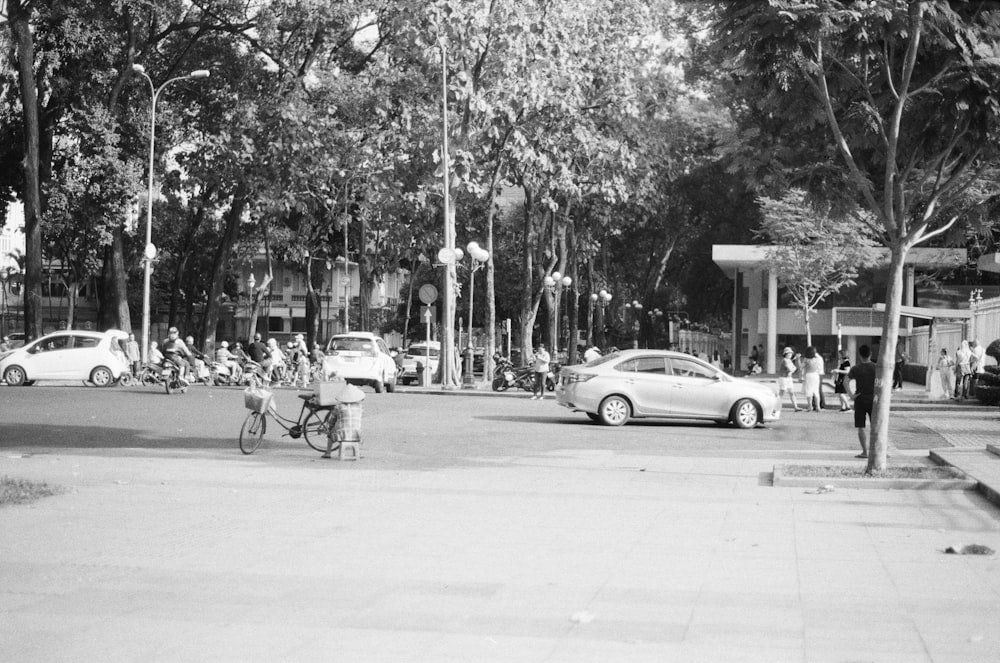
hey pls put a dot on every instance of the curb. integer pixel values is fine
(782, 480)
(991, 493)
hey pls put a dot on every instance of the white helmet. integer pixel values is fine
(225, 344)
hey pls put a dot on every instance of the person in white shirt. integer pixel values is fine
(540, 365)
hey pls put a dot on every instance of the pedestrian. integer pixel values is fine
(812, 382)
(897, 367)
(946, 372)
(540, 365)
(963, 360)
(300, 360)
(133, 354)
(863, 394)
(716, 360)
(785, 372)
(5, 344)
(977, 364)
(839, 377)
(727, 361)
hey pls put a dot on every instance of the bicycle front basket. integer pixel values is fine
(257, 400)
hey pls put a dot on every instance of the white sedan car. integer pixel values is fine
(361, 358)
(664, 384)
(94, 357)
(415, 357)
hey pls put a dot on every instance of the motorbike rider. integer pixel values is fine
(239, 356)
(228, 359)
(155, 356)
(259, 354)
(299, 356)
(591, 354)
(177, 352)
(276, 357)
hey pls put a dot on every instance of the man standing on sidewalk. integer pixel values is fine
(540, 364)
(863, 394)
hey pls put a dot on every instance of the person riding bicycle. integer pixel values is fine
(177, 352)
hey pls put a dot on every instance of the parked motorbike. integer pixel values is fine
(507, 376)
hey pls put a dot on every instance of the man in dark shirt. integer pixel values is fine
(863, 394)
(258, 352)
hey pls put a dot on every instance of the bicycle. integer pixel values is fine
(313, 423)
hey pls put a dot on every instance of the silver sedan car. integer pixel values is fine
(660, 383)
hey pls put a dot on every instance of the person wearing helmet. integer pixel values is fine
(178, 353)
(228, 359)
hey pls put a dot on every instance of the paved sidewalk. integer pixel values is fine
(572, 556)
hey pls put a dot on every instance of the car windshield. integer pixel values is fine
(422, 350)
(353, 345)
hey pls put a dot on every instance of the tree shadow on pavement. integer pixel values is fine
(47, 436)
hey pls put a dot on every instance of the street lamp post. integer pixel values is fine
(636, 308)
(251, 283)
(555, 283)
(975, 301)
(602, 299)
(149, 251)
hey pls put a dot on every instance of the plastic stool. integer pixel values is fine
(354, 446)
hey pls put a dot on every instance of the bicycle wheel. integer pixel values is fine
(317, 428)
(252, 432)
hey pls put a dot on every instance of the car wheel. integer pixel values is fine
(377, 385)
(101, 376)
(390, 385)
(14, 376)
(593, 416)
(614, 411)
(745, 414)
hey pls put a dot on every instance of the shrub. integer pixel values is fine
(993, 350)
(988, 386)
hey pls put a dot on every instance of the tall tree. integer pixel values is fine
(889, 105)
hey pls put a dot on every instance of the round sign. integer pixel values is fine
(150, 251)
(428, 293)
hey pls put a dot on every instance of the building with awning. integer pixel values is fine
(759, 321)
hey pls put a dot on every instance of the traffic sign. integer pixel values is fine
(428, 293)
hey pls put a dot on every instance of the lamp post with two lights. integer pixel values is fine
(149, 251)
(555, 283)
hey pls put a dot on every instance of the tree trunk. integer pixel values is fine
(879, 439)
(809, 337)
(220, 263)
(529, 306)
(491, 305)
(114, 311)
(364, 277)
(19, 20)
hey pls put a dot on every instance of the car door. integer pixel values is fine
(696, 389)
(647, 384)
(50, 358)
